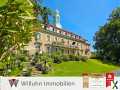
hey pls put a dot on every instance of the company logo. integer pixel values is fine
(115, 85)
(97, 81)
(109, 79)
(13, 82)
(85, 80)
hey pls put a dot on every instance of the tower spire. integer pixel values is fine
(57, 19)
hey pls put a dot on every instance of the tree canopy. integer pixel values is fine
(18, 18)
(107, 39)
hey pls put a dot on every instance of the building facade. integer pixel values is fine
(55, 39)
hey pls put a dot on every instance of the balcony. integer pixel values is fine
(61, 35)
(58, 44)
(73, 47)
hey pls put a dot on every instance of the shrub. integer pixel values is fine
(83, 58)
(26, 72)
(22, 58)
(1, 68)
(43, 65)
(26, 69)
(65, 58)
(39, 67)
(45, 70)
(57, 60)
(57, 57)
(33, 63)
(77, 58)
(72, 57)
(94, 55)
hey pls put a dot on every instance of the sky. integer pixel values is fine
(83, 17)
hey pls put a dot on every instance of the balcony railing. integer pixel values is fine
(65, 46)
(58, 43)
(62, 35)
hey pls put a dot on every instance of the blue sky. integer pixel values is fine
(83, 17)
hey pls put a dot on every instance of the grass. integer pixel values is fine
(73, 68)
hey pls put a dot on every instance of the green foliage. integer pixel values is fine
(15, 30)
(74, 57)
(26, 72)
(57, 57)
(43, 12)
(44, 57)
(1, 66)
(15, 72)
(107, 39)
(45, 70)
(23, 58)
(83, 58)
(17, 19)
(93, 55)
(65, 57)
(27, 69)
(3, 2)
(43, 63)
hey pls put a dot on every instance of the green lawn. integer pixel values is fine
(73, 68)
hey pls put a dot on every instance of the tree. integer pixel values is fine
(107, 39)
(42, 12)
(15, 27)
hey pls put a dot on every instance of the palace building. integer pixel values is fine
(56, 39)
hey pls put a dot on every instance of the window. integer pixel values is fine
(68, 52)
(48, 38)
(53, 30)
(62, 40)
(81, 45)
(37, 35)
(68, 42)
(60, 32)
(73, 43)
(48, 49)
(56, 38)
(56, 49)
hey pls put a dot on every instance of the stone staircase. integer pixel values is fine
(35, 72)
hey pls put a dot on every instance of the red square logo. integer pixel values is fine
(109, 78)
